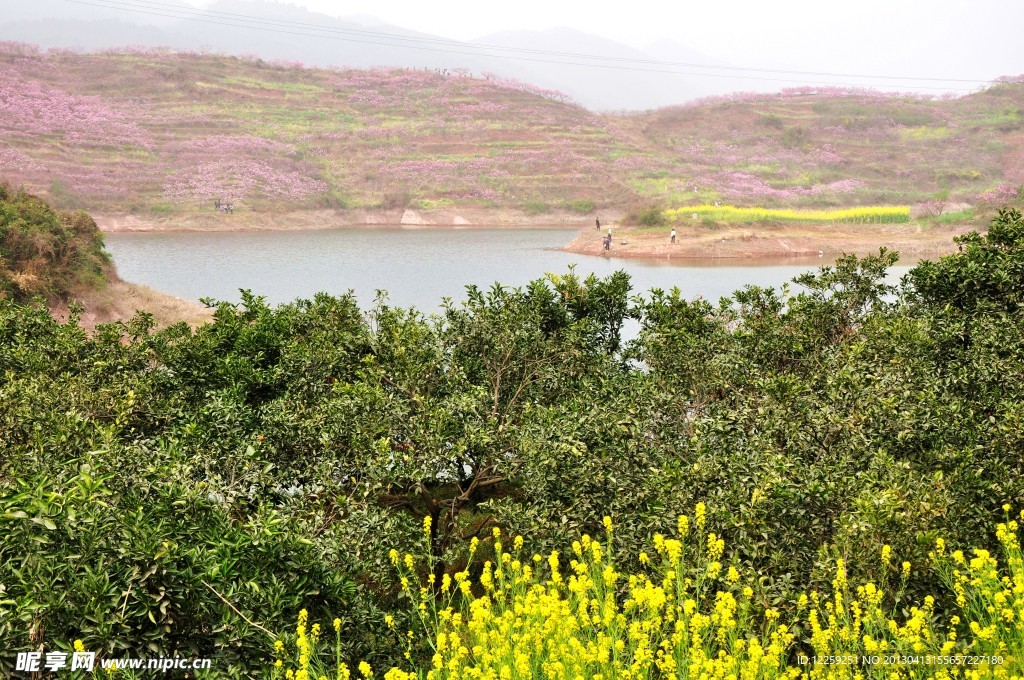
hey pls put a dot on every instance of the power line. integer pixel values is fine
(150, 4)
(198, 17)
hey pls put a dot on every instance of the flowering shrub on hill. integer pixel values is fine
(113, 131)
(1004, 194)
(31, 109)
(237, 168)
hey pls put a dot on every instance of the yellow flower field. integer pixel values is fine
(728, 213)
(694, 616)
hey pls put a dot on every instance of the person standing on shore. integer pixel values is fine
(673, 235)
(608, 240)
(597, 224)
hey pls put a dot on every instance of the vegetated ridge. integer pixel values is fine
(58, 257)
(159, 133)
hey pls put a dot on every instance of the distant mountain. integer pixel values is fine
(92, 34)
(23, 10)
(631, 81)
(342, 42)
(365, 41)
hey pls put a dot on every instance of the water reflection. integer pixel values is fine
(417, 267)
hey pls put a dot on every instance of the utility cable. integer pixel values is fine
(198, 17)
(163, 6)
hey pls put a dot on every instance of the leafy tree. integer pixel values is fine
(190, 490)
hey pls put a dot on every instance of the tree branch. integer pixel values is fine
(235, 609)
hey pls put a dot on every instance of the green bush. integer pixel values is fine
(187, 487)
(794, 137)
(651, 217)
(44, 252)
(583, 206)
(536, 208)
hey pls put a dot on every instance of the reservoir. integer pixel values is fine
(417, 267)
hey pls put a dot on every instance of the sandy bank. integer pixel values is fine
(775, 241)
(468, 218)
(119, 301)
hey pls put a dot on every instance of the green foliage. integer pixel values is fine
(984, 278)
(162, 208)
(44, 252)
(794, 137)
(583, 206)
(61, 197)
(652, 216)
(957, 217)
(129, 570)
(536, 208)
(272, 458)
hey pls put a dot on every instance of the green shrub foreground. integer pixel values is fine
(190, 491)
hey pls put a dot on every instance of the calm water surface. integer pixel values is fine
(416, 267)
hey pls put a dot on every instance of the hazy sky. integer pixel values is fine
(939, 38)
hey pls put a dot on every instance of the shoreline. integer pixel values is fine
(726, 242)
(726, 245)
(308, 220)
(118, 300)
(748, 242)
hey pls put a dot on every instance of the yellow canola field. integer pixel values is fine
(882, 214)
(691, 613)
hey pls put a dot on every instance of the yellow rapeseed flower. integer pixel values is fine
(728, 213)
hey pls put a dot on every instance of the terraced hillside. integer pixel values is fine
(835, 147)
(161, 133)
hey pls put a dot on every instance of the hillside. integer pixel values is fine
(166, 134)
